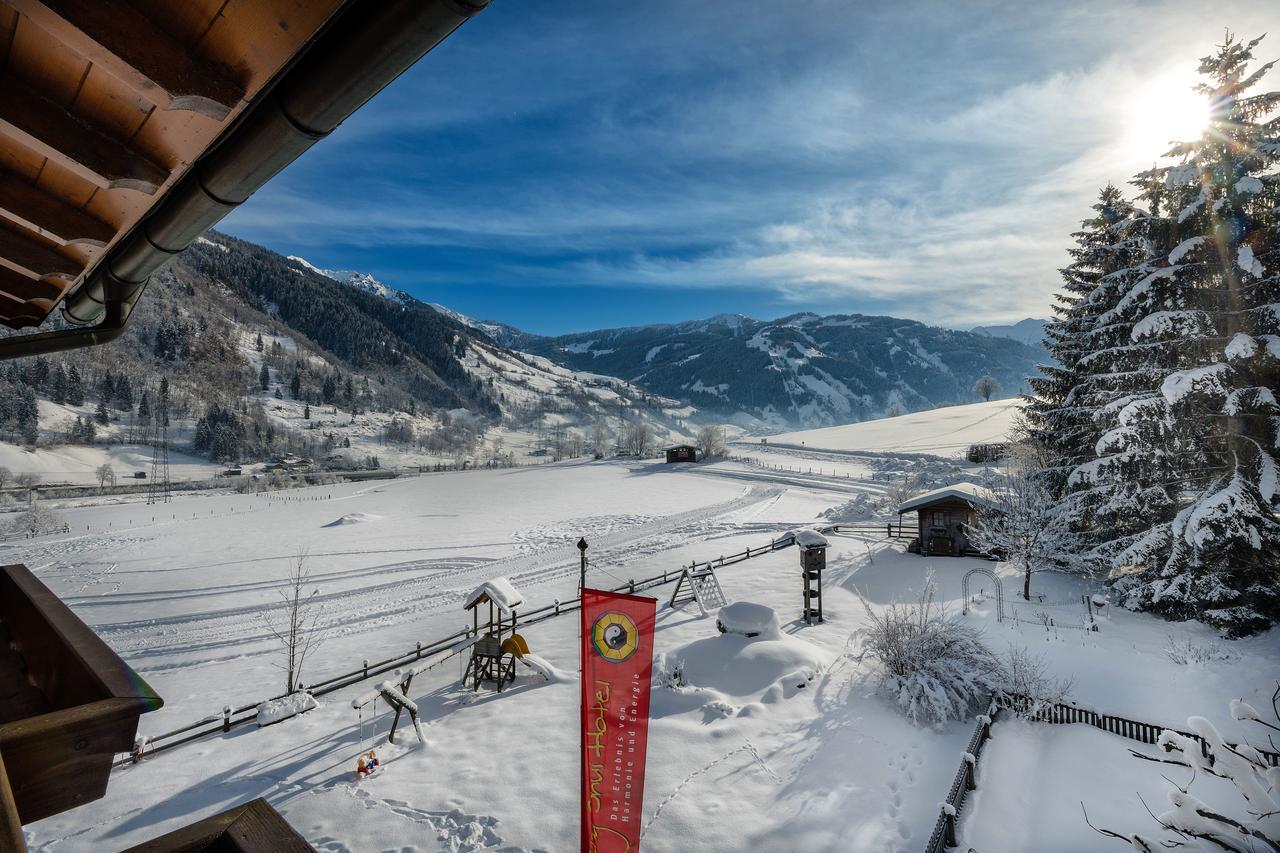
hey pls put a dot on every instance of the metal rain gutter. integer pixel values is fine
(368, 46)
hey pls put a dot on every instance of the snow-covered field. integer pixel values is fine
(744, 756)
(940, 432)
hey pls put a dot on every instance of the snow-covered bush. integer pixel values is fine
(39, 519)
(934, 666)
(1186, 652)
(858, 508)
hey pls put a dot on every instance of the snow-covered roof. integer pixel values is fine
(809, 538)
(967, 492)
(500, 591)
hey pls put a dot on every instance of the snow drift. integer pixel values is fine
(354, 518)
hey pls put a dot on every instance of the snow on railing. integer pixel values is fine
(449, 646)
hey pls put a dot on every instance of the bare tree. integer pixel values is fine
(5, 476)
(710, 442)
(600, 438)
(986, 387)
(27, 480)
(1017, 523)
(637, 438)
(300, 629)
(106, 475)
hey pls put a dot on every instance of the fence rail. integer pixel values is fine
(233, 717)
(1139, 730)
(888, 528)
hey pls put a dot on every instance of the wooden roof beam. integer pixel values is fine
(126, 44)
(23, 289)
(50, 130)
(48, 215)
(31, 257)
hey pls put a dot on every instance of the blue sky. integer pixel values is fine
(569, 166)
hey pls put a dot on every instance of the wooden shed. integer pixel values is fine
(682, 453)
(942, 515)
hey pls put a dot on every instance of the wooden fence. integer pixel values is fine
(233, 717)
(1139, 730)
(890, 529)
(944, 830)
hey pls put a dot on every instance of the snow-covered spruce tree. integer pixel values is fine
(1058, 420)
(1125, 483)
(1207, 322)
(1079, 399)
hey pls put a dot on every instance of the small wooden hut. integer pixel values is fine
(491, 660)
(682, 453)
(942, 516)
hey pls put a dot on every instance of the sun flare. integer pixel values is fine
(1162, 112)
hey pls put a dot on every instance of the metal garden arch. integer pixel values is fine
(964, 587)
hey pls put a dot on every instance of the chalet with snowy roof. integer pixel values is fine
(682, 453)
(942, 515)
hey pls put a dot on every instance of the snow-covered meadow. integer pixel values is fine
(764, 744)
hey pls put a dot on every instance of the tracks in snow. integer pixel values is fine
(410, 589)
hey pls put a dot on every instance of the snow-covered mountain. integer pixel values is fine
(358, 280)
(1030, 331)
(507, 335)
(802, 370)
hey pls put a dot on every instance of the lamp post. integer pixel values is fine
(582, 572)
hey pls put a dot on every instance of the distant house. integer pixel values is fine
(942, 515)
(682, 453)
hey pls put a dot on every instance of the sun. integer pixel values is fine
(1163, 111)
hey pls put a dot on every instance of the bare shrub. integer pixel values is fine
(1186, 652)
(1028, 685)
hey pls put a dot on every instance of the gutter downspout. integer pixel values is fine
(365, 48)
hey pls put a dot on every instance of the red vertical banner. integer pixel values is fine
(617, 668)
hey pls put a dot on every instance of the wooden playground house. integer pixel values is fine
(943, 516)
(497, 645)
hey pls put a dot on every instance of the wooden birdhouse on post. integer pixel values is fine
(492, 658)
(813, 560)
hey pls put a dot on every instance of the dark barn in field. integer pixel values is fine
(682, 453)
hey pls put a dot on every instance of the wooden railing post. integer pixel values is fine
(226, 718)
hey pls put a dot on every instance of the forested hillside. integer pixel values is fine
(248, 355)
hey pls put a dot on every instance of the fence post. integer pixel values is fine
(226, 718)
(366, 667)
(631, 585)
(418, 650)
(949, 818)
